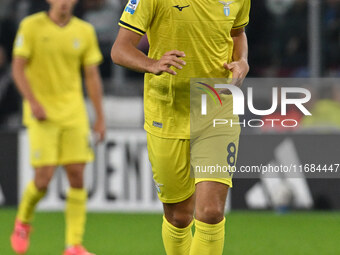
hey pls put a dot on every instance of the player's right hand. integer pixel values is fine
(38, 111)
(171, 58)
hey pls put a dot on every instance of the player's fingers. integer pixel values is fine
(239, 82)
(176, 53)
(237, 74)
(169, 59)
(38, 114)
(102, 136)
(170, 71)
(43, 114)
(226, 66)
(229, 66)
(178, 60)
(237, 77)
(41, 117)
(173, 63)
(98, 137)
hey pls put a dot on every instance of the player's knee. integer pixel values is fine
(42, 181)
(76, 182)
(180, 219)
(210, 214)
(43, 176)
(76, 179)
(75, 175)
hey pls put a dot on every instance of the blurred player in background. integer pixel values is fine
(50, 50)
(188, 39)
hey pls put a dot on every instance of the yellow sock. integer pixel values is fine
(28, 202)
(75, 216)
(177, 241)
(208, 238)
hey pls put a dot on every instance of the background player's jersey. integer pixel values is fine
(200, 28)
(55, 57)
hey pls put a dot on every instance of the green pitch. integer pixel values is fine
(247, 233)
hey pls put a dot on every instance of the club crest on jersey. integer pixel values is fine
(76, 44)
(132, 6)
(226, 7)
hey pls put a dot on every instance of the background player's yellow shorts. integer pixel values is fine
(173, 170)
(53, 144)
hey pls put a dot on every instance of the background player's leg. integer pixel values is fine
(34, 191)
(176, 228)
(75, 213)
(209, 218)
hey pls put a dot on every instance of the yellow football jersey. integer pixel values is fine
(55, 57)
(200, 28)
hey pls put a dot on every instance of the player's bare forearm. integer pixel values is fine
(239, 67)
(22, 84)
(94, 89)
(125, 53)
(240, 51)
(19, 76)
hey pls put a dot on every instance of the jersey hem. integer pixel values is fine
(89, 159)
(226, 181)
(176, 200)
(36, 164)
(168, 135)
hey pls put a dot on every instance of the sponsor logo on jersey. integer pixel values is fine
(180, 8)
(132, 6)
(226, 7)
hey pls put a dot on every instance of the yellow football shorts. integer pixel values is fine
(53, 144)
(179, 164)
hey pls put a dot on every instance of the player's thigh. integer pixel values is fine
(170, 161)
(213, 158)
(44, 143)
(75, 145)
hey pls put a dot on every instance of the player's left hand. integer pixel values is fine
(239, 69)
(99, 130)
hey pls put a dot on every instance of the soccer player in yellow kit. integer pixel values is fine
(51, 49)
(188, 39)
